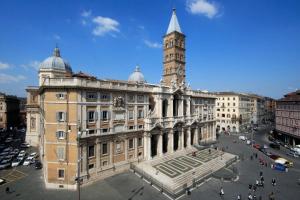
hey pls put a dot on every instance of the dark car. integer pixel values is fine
(274, 145)
(38, 165)
(274, 157)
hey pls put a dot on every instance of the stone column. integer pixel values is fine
(170, 141)
(98, 153)
(188, 140)
(181, 138)
(136, 147)
(170, 107)
(159, 144)
(126, 149)
(111, 152)
(84, 158)
(147, 146)
(180, 107)
(196, 135)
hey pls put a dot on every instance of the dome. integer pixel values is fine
(55, 62)
(137, 76)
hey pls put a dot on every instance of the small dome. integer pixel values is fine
(56, 62)
(137, 76)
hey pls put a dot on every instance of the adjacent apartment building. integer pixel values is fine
(109, 124)
(288, 118)
(9, 111)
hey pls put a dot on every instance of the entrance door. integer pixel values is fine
(175, 140)
(192, 136)
(185, 139)
(154, 141)
(165, 143)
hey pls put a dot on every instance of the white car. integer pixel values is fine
(241, 137)
(27, 161)
(16, 162)
(248, 142)
(33, 155)
(22, 153)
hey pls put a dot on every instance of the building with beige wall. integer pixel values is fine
(112, 123)
(9, 111)
(233, 112)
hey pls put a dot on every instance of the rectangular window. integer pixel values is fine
(91, 96)
(91, 166)
(60, 116)
(118, 147)
(131, 146)
(60, 96)
(92, 116)
(105, 115)
(131, 98)
(60, 135)
(141, 126)
(131, 127)
(228, 104)
(223, 115)
(105, 96)
(104, 148)
(233, 104)
(60, 151)
(140, 98)
(91, 152)
(61, 173)
(130, 114)
(104, 130)
(140, 114)
(140, 142)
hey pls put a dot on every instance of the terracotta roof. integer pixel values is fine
(292, 96)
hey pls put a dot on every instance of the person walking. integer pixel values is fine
(222, 192)
(273, 181)
(7, 190)
(260, 173)
(239, 197)
(254, 188)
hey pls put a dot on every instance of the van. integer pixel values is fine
(284, 162)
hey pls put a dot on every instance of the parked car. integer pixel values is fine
(25, 145)
(38, 165)
(16, 162)
(8, 140)
(2, 181)
(22, 153)
(293, 154)
(242, 137)
(274, 145)
(274, 156)
(4, 164)
(27, 161)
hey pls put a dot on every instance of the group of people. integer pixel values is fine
(253, 188)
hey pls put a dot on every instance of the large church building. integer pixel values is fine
(99, 127)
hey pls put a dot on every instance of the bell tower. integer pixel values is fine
(174, 53)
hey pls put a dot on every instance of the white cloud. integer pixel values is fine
(105, 25)
(56, 37)
(83, 22)
(35, 64)
(4, 65)
(6, 78)
(86, 13)
(202, 7)
(152, 44)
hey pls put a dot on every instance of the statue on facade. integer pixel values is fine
(118, 102)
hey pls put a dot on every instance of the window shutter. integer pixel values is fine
(57, 116)
(64, 116)
(57, 135)
(108, 115)
(57, 95)
(96, 115)
(101, 115)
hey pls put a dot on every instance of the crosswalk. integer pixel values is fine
(14, 175)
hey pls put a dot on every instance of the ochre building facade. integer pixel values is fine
(102, 126)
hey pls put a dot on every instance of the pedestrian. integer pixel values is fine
(271, 196)
(255, 155)
(251, 157)
(250, 196)
(266, 164)
(250, 187)
(209, 151)
(260, 197)
(273, 181)
(254, 197)
(221, 192)
(239, 197)
(254, 188)
(7, 190)
(260, 173)
(257, 182)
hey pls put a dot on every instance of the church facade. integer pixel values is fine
(94, 128)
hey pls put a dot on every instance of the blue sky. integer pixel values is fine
(246, 46)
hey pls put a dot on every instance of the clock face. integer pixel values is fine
(179, 71)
